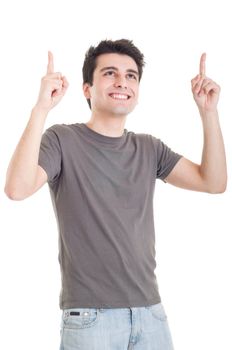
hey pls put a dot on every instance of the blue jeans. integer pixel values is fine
(137, 328)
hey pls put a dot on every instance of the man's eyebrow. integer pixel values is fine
(115, 68)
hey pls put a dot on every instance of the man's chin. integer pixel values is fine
(121, 110)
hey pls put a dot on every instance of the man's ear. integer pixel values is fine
(86, 90)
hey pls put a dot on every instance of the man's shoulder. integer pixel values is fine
(146, 137)
(61, 129)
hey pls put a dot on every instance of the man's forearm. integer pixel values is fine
(22, 169)
(213, 165)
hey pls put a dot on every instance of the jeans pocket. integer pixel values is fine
(158, 311)
(80, 318)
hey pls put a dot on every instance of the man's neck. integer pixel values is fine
(108, 126)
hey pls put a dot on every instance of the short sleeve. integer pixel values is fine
(50, 154)
(166, 159)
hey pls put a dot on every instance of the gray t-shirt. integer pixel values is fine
(102, 193)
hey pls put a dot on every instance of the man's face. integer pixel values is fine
(115, 86)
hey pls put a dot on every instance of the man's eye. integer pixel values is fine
(110, 71)
(133, 76)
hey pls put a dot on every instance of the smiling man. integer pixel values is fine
(102, 179)
(114, 93)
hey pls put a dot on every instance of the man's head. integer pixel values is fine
(112, 67)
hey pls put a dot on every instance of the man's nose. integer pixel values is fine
(120, 81)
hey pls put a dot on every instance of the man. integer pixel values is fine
(101, 179)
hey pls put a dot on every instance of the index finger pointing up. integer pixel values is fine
(50, 66)
(202, 64)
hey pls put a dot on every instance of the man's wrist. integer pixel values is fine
(208, 113)
(39, 111)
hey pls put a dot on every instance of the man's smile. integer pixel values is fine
(117, 96)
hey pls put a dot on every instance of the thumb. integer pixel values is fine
(65, 84)
(62, 90)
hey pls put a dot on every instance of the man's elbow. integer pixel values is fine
(13, 195)
(218, 189)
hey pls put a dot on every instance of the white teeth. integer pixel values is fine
(119, 96)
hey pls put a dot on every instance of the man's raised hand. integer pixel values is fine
(205, 91)
(53, 87)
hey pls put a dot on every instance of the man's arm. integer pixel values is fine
(24, 175)
(211, 175)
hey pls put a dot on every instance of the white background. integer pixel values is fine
(193, 230)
